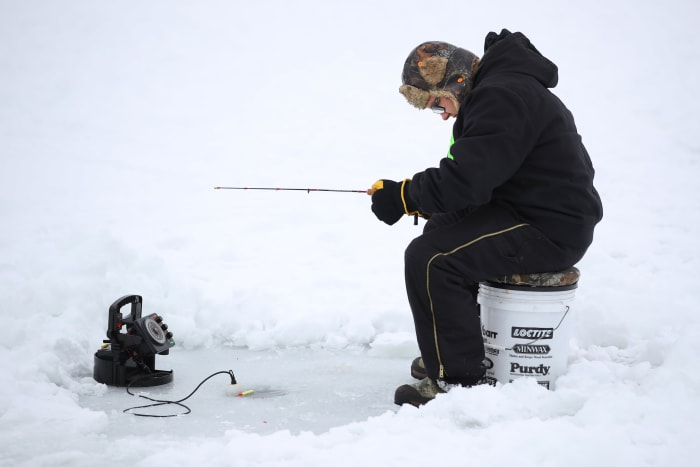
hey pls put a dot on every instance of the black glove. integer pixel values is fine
(390, 201)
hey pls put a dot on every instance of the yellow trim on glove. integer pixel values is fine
(403, 199)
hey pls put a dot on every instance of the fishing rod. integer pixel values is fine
(308, 190)
(370, 192)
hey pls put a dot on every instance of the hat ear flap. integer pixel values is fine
(416, 97)
(432, 69)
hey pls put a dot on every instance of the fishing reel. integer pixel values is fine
(127, 358)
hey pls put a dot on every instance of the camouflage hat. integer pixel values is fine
(437, 69)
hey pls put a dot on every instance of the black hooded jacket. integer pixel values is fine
(516, 144)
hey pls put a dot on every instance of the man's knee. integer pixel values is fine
(416, 253)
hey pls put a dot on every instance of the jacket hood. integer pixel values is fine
(514, 53)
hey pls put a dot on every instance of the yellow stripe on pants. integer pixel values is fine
(442, 372)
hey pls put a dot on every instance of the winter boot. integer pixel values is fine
(418, 393)
(418, 369)
(426, 389)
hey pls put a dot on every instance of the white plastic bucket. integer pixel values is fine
(526, 331)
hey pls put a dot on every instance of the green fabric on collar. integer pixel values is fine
(449, 151)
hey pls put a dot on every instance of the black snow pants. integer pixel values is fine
(443, 269)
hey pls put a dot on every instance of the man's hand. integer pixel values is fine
(390, 200)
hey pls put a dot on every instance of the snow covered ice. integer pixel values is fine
(118, 118)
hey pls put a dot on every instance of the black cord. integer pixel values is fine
(158, 402)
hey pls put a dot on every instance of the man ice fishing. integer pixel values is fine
(514, 194)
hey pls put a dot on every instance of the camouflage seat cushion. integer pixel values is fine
(567, 277)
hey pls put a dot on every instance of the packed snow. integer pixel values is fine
(117, 119)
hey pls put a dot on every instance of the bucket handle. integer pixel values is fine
(532, 341)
